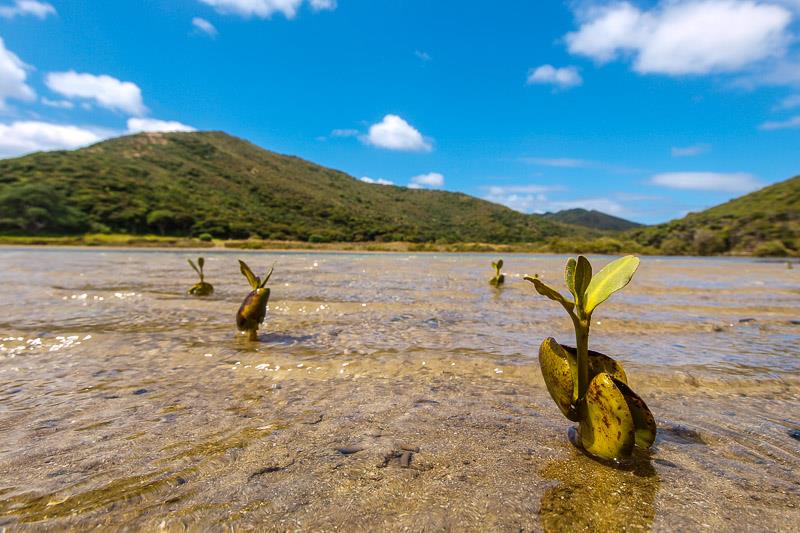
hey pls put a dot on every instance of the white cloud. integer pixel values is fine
(345, 133)
(27, 7)
(431, 179)
(563, 78)
(689, 151)
(790, 102)
(394, 133)
(204, 26)
(793, 122)
(322, 5)
(106, 91)
(499, 190)
(59, 104)
(532, 199)
(737, 182)
(13, 75)
(137, 125)
(379, 181)
(684, 36)
(605, 205)
(24, 137)
(425, 56)
(266, 8)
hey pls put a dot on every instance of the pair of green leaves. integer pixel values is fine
(201, 262)
(255, 281)
(498, 278)
(589, 291)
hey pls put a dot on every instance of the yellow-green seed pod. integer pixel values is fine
(201, 289)
(642, 417)
(253, 310)
(559, 370)
(607, 430)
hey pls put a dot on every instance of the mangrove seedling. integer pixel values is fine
(202, 288)
(499, 278)
(589, 387)
(254, 307)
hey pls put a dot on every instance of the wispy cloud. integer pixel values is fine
(137, 125)
(345, 133)
(498, 190)
(424, 56)
(203, 26)
(535, 199)
(736, 182)
(266, 8)
(32, 8)
(790, 102)
(793, 122)
(689, 151)
(561, 78)
(379, 181)
(561, 162)
(58, 104)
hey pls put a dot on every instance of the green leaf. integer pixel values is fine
(251, 278)
(191, 263)
(583, 276)
(569, 275)
(499, 264)
(613, 277)
(546, 290)
(201, 262)
(269, 274)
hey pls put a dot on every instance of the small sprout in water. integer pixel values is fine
(591, 388)
(499, 278)
(202, 288)
(254, 307)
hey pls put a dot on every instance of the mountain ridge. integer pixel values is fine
(591, 218)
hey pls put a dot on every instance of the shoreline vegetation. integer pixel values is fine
(602, 245)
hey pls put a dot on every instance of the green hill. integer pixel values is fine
(592, 219)
(764, 222)
(209, 182)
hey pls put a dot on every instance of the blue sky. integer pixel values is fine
(645, 110)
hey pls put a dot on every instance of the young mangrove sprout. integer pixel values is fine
(254, 307)
(499, 278)
(589, 387)
(202, 288)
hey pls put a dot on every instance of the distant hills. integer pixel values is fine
(210, 184)
(765, 222)
(592, 219)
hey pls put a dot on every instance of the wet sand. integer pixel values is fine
(389, 392)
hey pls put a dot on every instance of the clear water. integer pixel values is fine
(124, 400)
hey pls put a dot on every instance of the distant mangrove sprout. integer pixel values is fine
(589, 387)
(202, 288)
(499, 278)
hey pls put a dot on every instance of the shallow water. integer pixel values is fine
(123, 400)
